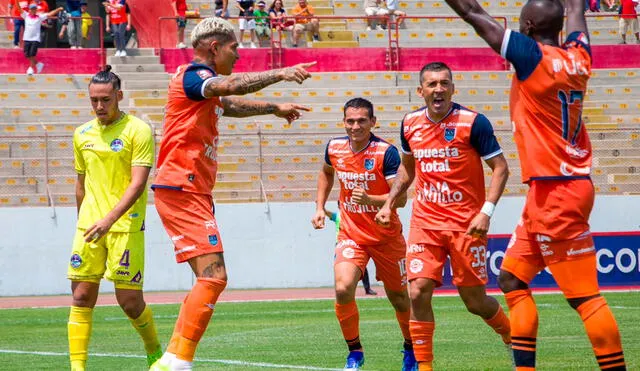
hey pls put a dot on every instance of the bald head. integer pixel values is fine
(212, 28)
(542, 18)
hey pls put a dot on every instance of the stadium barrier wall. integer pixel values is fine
(56, 61)
(274, 246)
(411, 59)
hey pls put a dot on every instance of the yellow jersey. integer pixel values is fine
(105, 155)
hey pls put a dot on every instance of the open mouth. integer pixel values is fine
(438, 102)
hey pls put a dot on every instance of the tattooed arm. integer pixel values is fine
(245, 83)
(239, 107)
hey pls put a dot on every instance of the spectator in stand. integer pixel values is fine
(221, 9)
(31, 35)
(87, 22)
(392, 7)
(629, 19)
(375, 12)
(118, 20)
(18, 22)
(43, 8)
(75, 24)
(246, 22)
(304, 14)
(180, 11)
(278, 16)
(263, 27)
(63, 19)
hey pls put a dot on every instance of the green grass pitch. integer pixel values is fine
(305, 335)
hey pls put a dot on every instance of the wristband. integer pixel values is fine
(488, 208)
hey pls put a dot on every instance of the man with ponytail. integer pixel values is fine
(113, 155)
(200, 93)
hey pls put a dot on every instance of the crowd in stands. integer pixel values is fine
(259, 19)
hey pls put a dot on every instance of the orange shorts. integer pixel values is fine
(389, 259)
(428, 250)
(188, 219)
(554, 232)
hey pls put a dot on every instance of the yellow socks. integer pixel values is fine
(79, 332)
(146, 327)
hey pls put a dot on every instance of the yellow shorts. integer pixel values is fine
(117, 256)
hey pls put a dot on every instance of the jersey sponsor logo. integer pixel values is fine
(351, 180)
(436, 153)
(210, 150)
(576, 151)
(449, 134)
(177, 238)
(586, 250)
(352, 207)
(210, 224)
(122, 273)
(439, 193)
(348, 253)
(116, 145)
(572, 68)
(369, 163)
(414, 248)
(435, 166)
(137, 278)
(568, 170)
(333, 151)
(204, 74)
(86, 129)
(87, 146)
(75, 261)
(416, 266)
(213, 239)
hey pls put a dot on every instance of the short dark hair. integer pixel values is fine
(435, 67)
(106, 77)
(358, 103)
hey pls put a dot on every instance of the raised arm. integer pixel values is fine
(488, 28)
(245, 83)
(576, 21)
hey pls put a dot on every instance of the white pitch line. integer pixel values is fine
(205, 360)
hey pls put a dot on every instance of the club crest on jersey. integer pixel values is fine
(116, 145)
(369, 163)
(449, 134)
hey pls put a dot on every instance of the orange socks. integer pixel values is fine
(524, 328)
(500, 324)
(603, 333)
(422, 337)
(403, 321)
(349, 319)
(175, 337)
(195, 315)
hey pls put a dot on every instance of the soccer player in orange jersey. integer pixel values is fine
(366, 167)
(445, 144)
(547, 96)
(187, 165)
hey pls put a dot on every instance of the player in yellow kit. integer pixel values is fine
(113, 156)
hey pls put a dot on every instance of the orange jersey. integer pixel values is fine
(369, 169)
(449, 174)
(547, 96)
(188, 152)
